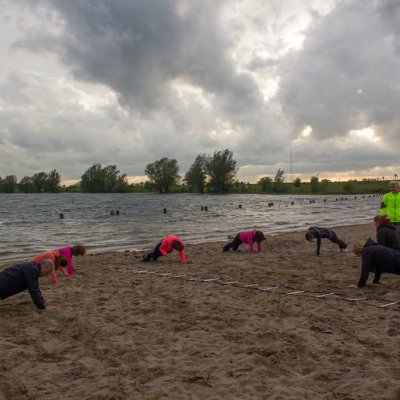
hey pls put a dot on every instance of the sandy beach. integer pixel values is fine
(280, 324)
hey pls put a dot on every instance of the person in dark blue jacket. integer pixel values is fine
(25, 276)
(315, 232)
(375, 258)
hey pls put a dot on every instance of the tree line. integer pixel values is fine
(215, 173)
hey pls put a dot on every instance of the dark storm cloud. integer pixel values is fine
(347, 75)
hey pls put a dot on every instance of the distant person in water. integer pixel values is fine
(315, 232)
(25, 276)
(249, 237)
(69, 252)
(375, 258)
(59, 260)
(386, 234)
(164, 247)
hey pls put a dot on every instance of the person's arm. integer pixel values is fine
(382, 211)
(318, 237)
(365, 267)
(32, 284)
(54, 277)
(251, 246)
(70, 266)
(182, 256)
(259, 246)
(377, 276)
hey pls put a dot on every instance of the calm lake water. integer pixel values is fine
(30, 223)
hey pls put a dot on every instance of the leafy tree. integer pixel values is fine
(221, 171)
(114, 182)
(9, 184)
(92, 180)
(279, 178)
(53, 181)
(26, 185)
(314, 184)
(196, 176)
(266, 183)
(40, 181)
(279, 186)
(103, 180)
(163, 173)
(297, 182)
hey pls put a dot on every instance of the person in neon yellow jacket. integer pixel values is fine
(390, 205)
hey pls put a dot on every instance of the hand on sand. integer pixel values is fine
(353, 286)
(51, 308)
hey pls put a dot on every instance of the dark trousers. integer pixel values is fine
(234, 244)
(153, 254)
(336, 240)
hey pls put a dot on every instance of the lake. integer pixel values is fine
(30, 223)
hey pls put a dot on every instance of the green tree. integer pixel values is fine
(103, 180)
(163, 173)
(53, 181)
(279, 178)
(9, 184)
(314, 183)
(26, 185)
(196, 176)
(266, 183)
(297, 182)
(40, 181)
(221, 171)
(93, 180)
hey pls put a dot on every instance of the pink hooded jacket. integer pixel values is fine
(248, 237)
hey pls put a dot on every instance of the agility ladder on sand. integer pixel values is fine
(278, 289)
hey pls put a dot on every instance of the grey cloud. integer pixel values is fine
(347, 75)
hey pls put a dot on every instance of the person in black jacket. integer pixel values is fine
(375, 258)
(315, 232)
(25, 276)
(386, 234)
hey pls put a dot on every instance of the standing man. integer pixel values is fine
(390, 205)
(25, 276)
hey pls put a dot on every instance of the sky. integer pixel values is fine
(311, 87)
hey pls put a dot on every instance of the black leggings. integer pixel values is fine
(236, 242)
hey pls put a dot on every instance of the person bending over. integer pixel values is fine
(386, 234)
(375, 258)
(164, 247)
(59, 260)
(315, 232)
(25, 276)
(249, 237)
(69, 252)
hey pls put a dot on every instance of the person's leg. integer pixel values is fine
(157, 253)
(153, 254)
(334, 238)
(233, 244)
(236, 242)
(397, 228)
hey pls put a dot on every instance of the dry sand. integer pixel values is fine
(125, 335)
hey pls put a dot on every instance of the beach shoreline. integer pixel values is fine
(280, 324)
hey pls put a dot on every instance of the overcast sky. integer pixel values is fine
(311, 87)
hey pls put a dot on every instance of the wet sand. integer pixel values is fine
(280, 324)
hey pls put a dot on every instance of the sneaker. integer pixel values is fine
(344, 249)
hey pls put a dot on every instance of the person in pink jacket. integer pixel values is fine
(249, 237)
(69, 252)
(165, 246)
